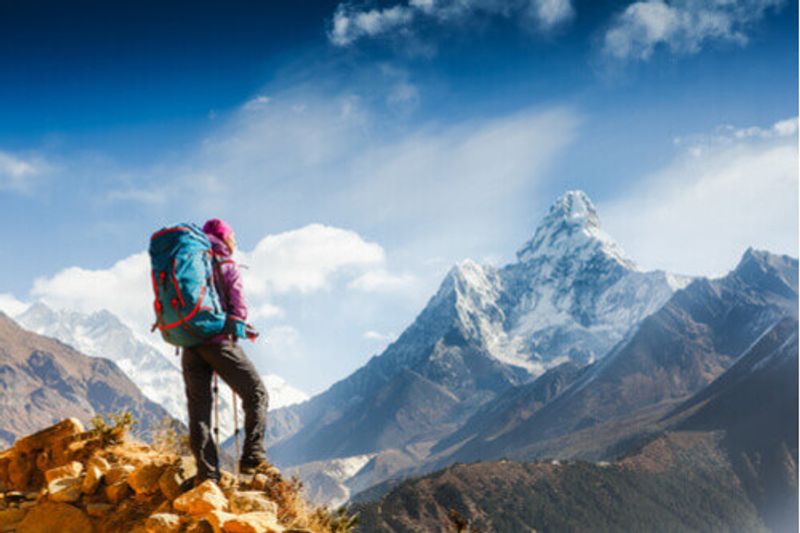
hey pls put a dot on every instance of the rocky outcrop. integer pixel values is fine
(67, 479)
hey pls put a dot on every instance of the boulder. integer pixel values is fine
(202, 499)
(175, 474)
(144, 480)
(9, 518)
(163, 523)
(95, 469)
(258, 522)
(51, 517)
(64, 489)
(98, 510)
(20, 468)
(118, 473)
(71, 469)
(92, 479)
(250, 501)
(170, 483)
(217, 520)
(45, 437)
(117, 492)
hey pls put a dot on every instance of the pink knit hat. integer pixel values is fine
(218, 228)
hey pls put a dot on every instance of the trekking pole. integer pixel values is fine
(216, 417)
(236, 434)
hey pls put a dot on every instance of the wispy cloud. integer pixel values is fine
(18, 173)
(699, 213)
(682, 26)
(351, 22)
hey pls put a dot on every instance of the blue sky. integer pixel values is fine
(360, 149)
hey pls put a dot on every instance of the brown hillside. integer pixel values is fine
(43, 381)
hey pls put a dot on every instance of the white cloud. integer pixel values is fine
(306, 259)
(351, 23)
(266, 311)
(683, 26)
(700, 213)
(18, 174)
(729, 135)
(11, 306)
(380, 280)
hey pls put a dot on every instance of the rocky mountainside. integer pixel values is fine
(756, 404)
(669, 356)
(724, 459)
(102, 334)
(67, 480)
(43, 380)
(570, 296)
(680, 482)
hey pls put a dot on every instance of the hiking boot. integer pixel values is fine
(187, 485)
(251, 466)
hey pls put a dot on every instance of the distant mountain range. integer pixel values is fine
(569, 352)
(43, 381)
(725, 459)
(102, 334)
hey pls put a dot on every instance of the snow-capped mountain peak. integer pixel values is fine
(571, 230)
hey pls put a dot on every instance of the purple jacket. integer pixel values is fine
(229, 284)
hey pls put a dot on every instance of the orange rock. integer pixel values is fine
(65, 489)
(250, 501)
(117, 492)
(98, 509)
(9, 518)
(144, 480)
(163, 523)
(170, 483)
(258, 522)
(20, 469)
(52, 517)
(118, 473)
(41, 439)
(202, 499)
(71, 469)
(217, 519)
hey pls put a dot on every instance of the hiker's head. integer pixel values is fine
(221, 230)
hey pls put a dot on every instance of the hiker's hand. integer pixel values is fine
(251, 332)
(235, 328)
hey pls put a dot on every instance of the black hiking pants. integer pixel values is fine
(230, 362)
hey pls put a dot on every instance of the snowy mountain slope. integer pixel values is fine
(570, 296)
(102, 334)
(669, 356)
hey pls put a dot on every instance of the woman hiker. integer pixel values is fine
(223, 354)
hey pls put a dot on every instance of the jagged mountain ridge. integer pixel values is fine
(669, 356)
(570, 296)
(42, 380)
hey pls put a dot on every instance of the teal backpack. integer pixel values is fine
(187, 304)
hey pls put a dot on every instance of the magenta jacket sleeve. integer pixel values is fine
(237, 306)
